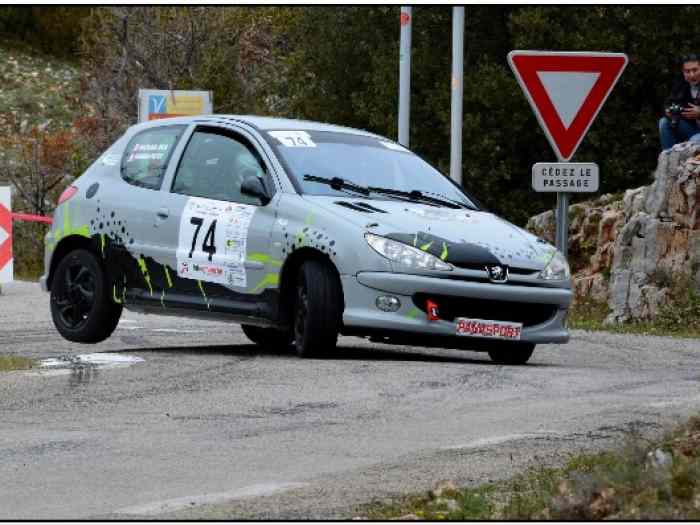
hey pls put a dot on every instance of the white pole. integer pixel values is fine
(405, 77)
(457, 94)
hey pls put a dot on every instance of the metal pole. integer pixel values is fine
(562, 235)
(457, 93)
(405, 77)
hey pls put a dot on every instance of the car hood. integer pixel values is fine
(465, 238)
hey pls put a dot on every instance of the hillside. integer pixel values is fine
(36, 90)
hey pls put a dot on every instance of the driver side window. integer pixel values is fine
(214, 166)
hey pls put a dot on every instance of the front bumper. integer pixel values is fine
(362, 290)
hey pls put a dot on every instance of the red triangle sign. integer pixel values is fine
(566, 90)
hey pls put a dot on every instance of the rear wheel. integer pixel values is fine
(81, 308)
(317, 310)
(267, 337)
(512, 354)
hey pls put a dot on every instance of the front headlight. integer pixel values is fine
(557, 268)
(401, 253)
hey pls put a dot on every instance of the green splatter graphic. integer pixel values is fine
(545, 256)
(114, 292)
(170, 285)
(68, 227)
(102, 244)
(413, 313)
(426, 246)
(201, 289)
(443, 255)
(264, 258)
(271, 279)
(144, 271)
(114, 295)
(167, 277)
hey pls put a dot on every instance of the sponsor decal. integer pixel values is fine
(492, 329)
(497, 273)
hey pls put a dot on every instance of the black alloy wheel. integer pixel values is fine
(75, 297)
(81, 307)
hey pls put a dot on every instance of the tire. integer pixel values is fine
(512, 354)
(267, 337)
(317, 310)
(81, 308)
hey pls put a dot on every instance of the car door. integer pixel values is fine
(219, 255)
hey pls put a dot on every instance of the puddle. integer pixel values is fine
(99, 360)
(82, 369)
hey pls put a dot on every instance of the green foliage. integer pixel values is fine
(49, 29)
(340, 64)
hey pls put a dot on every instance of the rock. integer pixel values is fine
(449, 503)
(630, 251)
(659, 459)
(443, 488)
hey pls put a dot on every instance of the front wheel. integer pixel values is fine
(512, 354)
(81, 308)
(317, 309)
(267, 337)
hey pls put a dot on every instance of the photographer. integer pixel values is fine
(682, 107)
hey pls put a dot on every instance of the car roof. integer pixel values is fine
(262, 123)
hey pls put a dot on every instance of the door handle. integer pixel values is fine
(163, 213)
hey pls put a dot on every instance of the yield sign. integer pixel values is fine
(5, 236)
(566, 90)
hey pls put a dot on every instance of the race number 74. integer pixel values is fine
(209, 242)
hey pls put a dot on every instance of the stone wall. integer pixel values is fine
(629, 251)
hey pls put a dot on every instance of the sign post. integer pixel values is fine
(566, 90)
(6, 260)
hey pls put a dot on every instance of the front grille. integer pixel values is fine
(482, 267)
(451, 307)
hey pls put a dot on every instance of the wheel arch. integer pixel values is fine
(63, 248)
(288, 277)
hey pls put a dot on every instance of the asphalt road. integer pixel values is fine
(209, 426)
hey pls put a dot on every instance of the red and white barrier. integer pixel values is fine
(32, 218)
(6, 269)
(6, 218)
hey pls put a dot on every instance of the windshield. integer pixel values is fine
(358, 160)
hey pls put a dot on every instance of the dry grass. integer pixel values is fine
(642, 481)
(15, 362)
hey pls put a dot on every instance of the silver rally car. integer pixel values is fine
(299, 231)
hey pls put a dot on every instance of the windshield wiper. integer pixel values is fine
(414, 195)
(454, 201)
(338, 184)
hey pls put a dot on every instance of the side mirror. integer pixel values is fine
(255, 187)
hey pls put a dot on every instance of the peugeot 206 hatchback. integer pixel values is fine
(299, 231)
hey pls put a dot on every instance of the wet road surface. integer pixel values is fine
(205, 425)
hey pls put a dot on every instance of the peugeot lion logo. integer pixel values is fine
(497, 273)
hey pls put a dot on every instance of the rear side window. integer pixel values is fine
(147, 155)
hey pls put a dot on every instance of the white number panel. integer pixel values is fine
(294, 139)
(212, 241)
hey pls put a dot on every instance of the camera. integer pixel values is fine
(675, 111)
